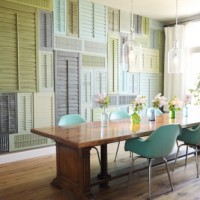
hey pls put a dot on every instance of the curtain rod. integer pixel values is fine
(185, 20)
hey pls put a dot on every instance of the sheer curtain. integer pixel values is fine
(174, 84)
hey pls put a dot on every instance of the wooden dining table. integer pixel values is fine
(73, 145)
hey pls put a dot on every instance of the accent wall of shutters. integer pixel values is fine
(8, 113)
(46, 72)
(72, 18)
(46, 30)
(92, 21)
(113, 63)
(67, 98)
(60, 17)
(113, 20)
(18, 49)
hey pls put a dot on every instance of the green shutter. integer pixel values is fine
(72, 18)
(113, 20)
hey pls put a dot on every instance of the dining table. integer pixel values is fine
(73, 145)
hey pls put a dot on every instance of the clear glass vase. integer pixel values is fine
(135, 118)
(152, 114)
(104, 118)
(186, 111)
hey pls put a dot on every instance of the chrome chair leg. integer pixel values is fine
(167, 168)
(150, 162)
(117, 151)
(197, 164)
(98, 155)
(176, 157)
(186, 155)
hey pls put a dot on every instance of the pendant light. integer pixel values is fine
(131, 53)
(176, 54)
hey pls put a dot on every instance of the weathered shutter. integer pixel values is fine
(145, 25)
(100, 82)
(125, 22)
(86, 86)
(46, 30)
(113, 20)
(18, 49)
(4, 143)
(86, 112)
(113, 64)
(66, 83)
(60, 17)
(43, 109)
(72, 17)
(46, 76)
(95, 47)
(8, 113)
(25, 112)
(134, 83)
(93, 61)
(92, 21)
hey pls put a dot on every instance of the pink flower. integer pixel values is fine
(159, 101)
(187, 99)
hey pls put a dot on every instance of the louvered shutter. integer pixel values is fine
(145, 25)
(113, 20)
(100, 82)
(60, 17)
(86, 112)
(72, 17)
(4, 143)
(46, 30)
(134, 83)
(86, 86)
(125, 22)
(46, 80)
(43, 109)
(25, 112)
(92, 21)
(18, 50)
(113, 64)
(66, 83)
(8, 113)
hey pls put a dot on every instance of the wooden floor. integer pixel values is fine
(30, 180)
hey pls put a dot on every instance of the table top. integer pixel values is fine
(92, 134)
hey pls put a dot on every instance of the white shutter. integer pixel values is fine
(43, 110)
(100, 82)
(113, 20)
(125, 22)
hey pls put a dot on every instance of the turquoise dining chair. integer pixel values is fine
(73, 119)
(117, 115)
(191, 138)
(158, 145)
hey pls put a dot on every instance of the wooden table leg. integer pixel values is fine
(73, 171)
(104, 166)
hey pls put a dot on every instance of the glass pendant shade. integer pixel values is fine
(175, 59)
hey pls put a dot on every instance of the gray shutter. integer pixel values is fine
(8, 113)
(66, 83)
(46, 30)
(60, 17)
(4, 143)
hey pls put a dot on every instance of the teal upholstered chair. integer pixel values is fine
(117, 115)
(73, 119)
(158, 145)
(189, 137)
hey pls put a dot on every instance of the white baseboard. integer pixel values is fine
(22, 155)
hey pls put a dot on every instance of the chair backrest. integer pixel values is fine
(162, 140)
(118, 114)
(71, 119)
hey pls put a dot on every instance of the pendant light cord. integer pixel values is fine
(176, 35)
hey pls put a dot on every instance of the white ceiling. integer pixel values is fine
(161, 10)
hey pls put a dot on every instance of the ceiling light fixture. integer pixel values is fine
(176, 54)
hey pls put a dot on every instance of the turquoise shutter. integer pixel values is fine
(60, 17)
(113, 64)
(46, 30)
(92, 21)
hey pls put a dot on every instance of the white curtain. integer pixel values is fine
(174, 84)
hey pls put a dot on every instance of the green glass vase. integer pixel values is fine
(135, 118)
(172, 114)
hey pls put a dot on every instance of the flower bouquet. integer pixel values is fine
(174, 105)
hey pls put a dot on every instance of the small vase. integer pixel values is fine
(104, 119)
(135, 118)
(152, 114)
(172, 114)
